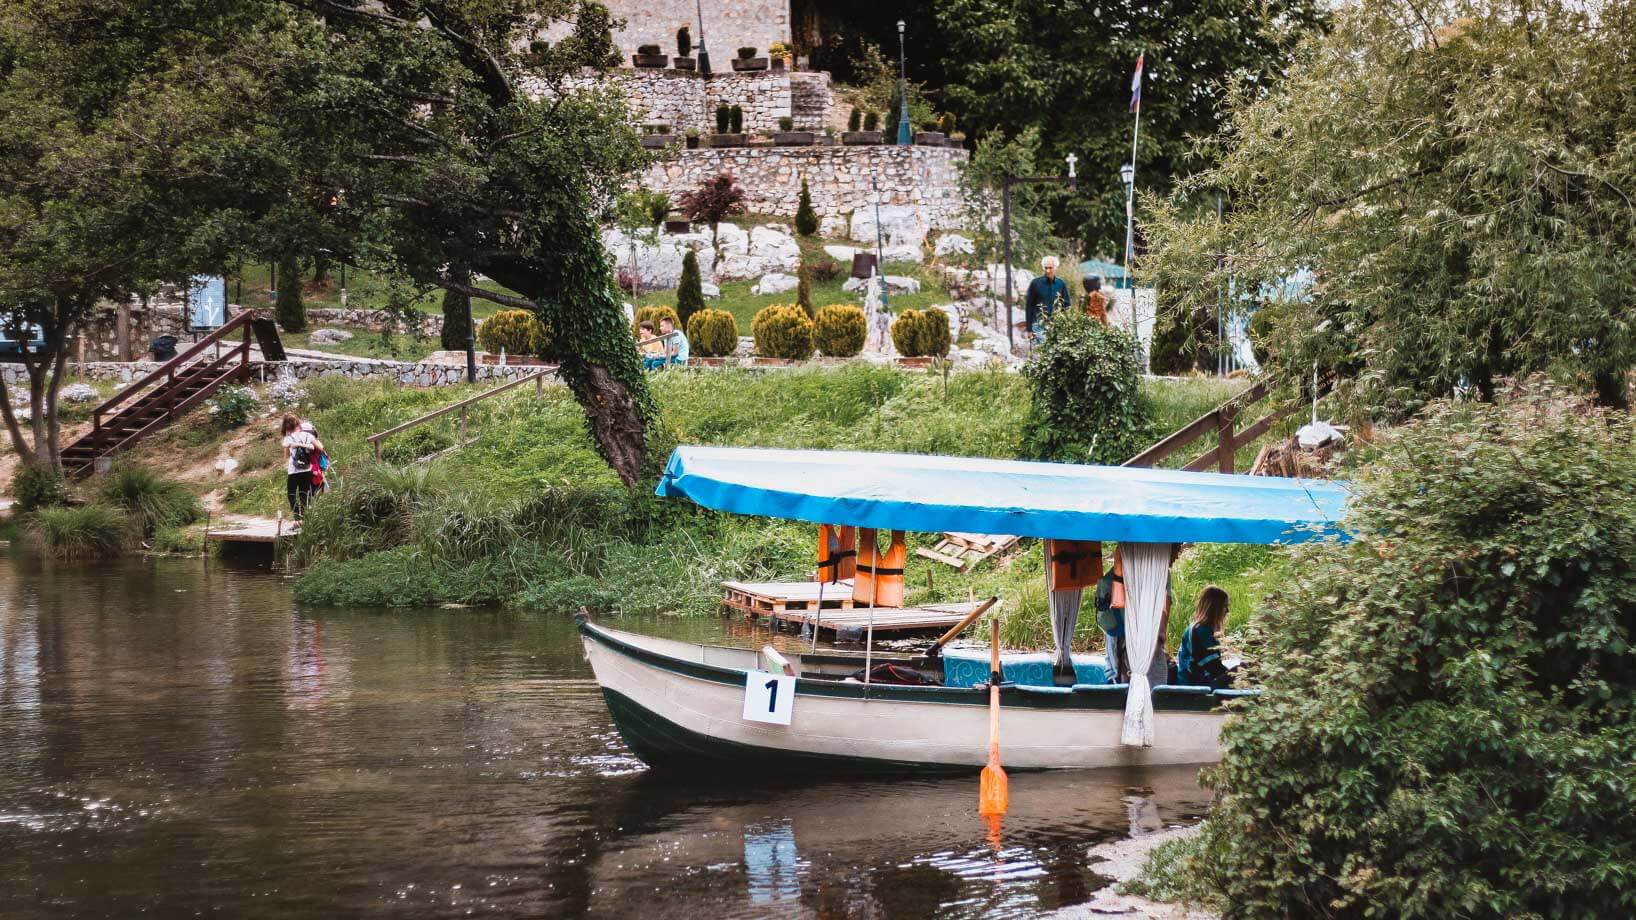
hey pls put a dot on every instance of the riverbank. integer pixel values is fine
(1123, 861)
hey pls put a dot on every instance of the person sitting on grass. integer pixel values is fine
(1198, 659)
(650, 345)
(676, 344)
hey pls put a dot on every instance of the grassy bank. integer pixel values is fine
(528, 515)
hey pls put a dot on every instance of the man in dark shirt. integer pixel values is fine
(1046, 295)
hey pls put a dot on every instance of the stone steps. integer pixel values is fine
(810, 100)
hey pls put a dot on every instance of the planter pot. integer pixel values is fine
(759, 361)
(742, 64)
(678, 226)
(925, 361)
(778, 63)
(728, 140)
(707, 362)
(932, 139)
(650, 61)
(794, 138)
(692, 142)
(861, 138)
(684, 63)
(659, 141)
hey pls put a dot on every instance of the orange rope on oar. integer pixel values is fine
(994, 794)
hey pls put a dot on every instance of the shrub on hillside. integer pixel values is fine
(825, 271)
(516, 332)
(803, 290)
(712, 333)
(1087, 405)
(37, 485)
(151, 500)
(806, 219)
(840, 330)
(652, 315)
(1450, 702)
(906, 333)
(921, 333)
(782, 331)
(232, 406)
(88, 532)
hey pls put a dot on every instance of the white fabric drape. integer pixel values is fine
(1064, 619)
(1147, 581)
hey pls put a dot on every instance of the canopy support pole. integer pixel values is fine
(874, 587)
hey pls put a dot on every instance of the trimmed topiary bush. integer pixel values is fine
(906, 334)
(652, 315)
(724, 118)
(803, 289)
(935, 339)
(516, 332)
(1449, 704)
(871, 121)
(783, 331)
(806, 219)
(690, 292)
(839, 330)
(1087, 405)
(854, 121)
(738, 119)
(37, 485)
(712, 333)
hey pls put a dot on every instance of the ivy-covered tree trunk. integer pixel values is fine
(456, 313)
(291, 311)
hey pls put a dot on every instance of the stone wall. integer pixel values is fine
(374, 320)
(841, 179)
(100, 334)
(728, 25)
(682, 99)
(422, 374)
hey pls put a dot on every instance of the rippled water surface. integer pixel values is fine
(177, 738)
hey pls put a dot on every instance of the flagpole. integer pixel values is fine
(1130, 198)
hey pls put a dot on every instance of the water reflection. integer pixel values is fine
(176, 738)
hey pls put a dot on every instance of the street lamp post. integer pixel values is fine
(1127, 175)
(1072, 179)
(903, 90)
(704, 56)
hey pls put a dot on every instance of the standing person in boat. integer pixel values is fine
(1198, 658)
(300, 448)
(1110, 615)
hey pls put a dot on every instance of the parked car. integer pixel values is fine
(11, 349)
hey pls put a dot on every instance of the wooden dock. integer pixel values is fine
(769, 598)
(928, 618)
(264, 531)
(794, 604)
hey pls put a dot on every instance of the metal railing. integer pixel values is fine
(538, 377)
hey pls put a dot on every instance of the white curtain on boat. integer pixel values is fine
(1147, 581)
(1064, 618)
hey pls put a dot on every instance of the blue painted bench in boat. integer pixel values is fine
(968, 667)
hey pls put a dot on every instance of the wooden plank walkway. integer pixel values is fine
(764, 598)
(251, 530)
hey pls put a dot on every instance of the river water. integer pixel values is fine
(178, 738)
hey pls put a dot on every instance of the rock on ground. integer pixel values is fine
(775, 283)
(1122, 860)
(329, 337)
(710, 291)
(75, 392)
(952, 244)
(901, 225)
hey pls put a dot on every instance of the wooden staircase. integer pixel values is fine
(163, 396)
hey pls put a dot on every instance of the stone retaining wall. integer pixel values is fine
(728, 24)
(374, 320)
(406, 374)
(840, 179)
(682, 99)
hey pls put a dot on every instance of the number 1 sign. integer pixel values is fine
(768, 697)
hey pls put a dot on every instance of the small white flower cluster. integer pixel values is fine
(286, 392)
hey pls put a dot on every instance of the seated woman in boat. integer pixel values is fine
(1198, 658)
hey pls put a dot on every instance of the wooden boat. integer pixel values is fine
(680, 704)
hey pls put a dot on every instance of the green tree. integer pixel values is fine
(1064, 68)
(1460, 183)
(803, 289)
(806, 219)
(290, 308)
(1449, 703)
(690, 292)
(998, 156)
(457, 318)
(1087, 405)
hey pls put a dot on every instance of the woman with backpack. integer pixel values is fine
(300, 450)
(1198, 659)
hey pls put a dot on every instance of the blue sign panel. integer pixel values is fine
(209, 298)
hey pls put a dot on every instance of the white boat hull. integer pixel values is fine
(677, 703)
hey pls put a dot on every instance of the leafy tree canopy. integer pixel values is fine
(1460, 180)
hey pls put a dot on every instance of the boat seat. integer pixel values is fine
(1180, 690)
(1048, 691)
(968, 667)
(1102, 689)
(1236, 694)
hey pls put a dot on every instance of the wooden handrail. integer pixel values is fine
(538, 377)
(1222, 419)
(168, 369)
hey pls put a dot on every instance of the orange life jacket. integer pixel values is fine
(1074, 563)
(837, 552)
(879, 577)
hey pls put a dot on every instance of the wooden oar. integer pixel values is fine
(967, 620)
(993, 795)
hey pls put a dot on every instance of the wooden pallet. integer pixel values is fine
(965, 550)
(769, 598)
(928, 618)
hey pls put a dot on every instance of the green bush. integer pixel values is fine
(371, 508)
(88, 532)
(738, 119)
(871, 121)
(854, 121)
(712, 333)
(232, 406)
(919, 333)
(803, 290)
(806, 219)
(1449, 711)
(906, 333)
(37, 485)
(1087, 405)
(515, 332)
(782, 331)
(653, 315)
(151, 500)
(415, 444)
(840, 330)
(690, 291)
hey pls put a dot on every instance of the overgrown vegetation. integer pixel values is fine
(1461, 745)
(86, 532)
(37, 485)
(1088, 405)
(150, 500)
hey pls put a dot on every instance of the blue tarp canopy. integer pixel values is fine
(1058, 500)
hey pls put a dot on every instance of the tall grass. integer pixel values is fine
(88, 532)
(151, 500)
